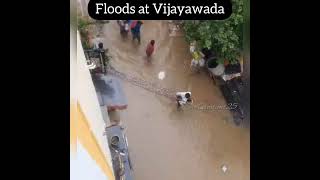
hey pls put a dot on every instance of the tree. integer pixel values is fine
(224, 37)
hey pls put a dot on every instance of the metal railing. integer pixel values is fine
(99, 57)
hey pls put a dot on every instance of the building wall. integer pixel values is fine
(84, 167)
(73, 94)
(90, 154)
(83, 7)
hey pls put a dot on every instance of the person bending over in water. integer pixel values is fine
(183, 98)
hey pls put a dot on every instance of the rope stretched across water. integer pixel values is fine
(154, 88)
(150, 86)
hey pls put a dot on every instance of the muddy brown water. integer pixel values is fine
(166, 144)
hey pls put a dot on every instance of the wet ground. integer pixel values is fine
(166, 144)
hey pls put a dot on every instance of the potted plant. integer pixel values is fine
(212, 63)
(224, 37)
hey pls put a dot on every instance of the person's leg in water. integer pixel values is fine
(178, 104)
(189, 101)
(148, 58)
(126, 29)
(150, 49)
(138, 37)
(133, 34)
(178, 99)
(197, 68)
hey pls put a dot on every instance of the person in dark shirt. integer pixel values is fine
(136, 31)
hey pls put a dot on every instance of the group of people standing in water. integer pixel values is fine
(182, 98)
(135, 27)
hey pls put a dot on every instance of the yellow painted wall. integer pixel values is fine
(86, 138)
(88, 100)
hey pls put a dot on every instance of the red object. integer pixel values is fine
(133, 24)
(150, 49)
(115, 107)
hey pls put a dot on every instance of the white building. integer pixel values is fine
(90, 156)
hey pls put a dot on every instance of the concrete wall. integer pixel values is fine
(73, 65)
(83, 167)
(90, 156)
(88, 100)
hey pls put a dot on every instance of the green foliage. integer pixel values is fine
(83, 27)
(83, 24)
(224, 37)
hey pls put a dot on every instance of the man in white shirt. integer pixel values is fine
(183, 98)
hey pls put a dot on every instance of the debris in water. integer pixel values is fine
(161, 75)
(224, 168)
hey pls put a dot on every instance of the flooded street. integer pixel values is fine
(164, 143)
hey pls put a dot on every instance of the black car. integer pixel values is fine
(232, 90)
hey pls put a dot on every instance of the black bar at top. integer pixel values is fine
(121, 9)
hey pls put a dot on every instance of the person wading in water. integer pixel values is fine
(150, 49)
(135, 29)
(183, 98)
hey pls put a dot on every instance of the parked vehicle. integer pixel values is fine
(119, 149)
(232, 90)
(228, 78)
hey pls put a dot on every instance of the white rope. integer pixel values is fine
(169, 93)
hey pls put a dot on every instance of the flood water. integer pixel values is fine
(164, 143)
